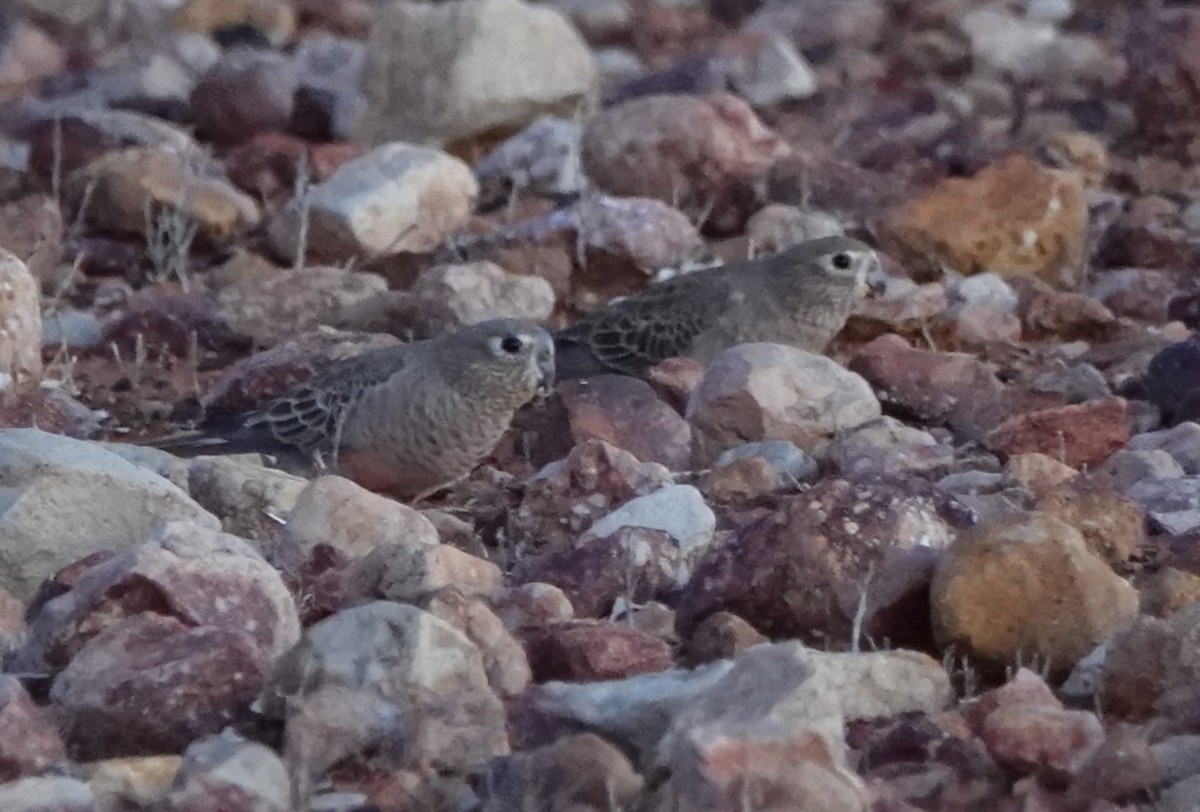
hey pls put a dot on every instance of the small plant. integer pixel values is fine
(169, 236)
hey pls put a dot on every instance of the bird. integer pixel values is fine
(406, 420)
(800, 296)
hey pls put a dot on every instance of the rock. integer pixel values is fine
(68, 498)
(12, 624)
(792, 464)
(623, 242)
(333, 510)
(31, 228)
(248, 92)
(887, 447)
(1078, 435)
(775, 392)
(982, 224)
(335, 724)
(799, 571)
(397, 197)
(1181, 441)
(1126, 468)
(579, 651)
(1066, 315)
(49, 793)
(150, 684)
(449, 73)
(677, 510)
(543, 159)
(1138, 293)
(503, 656)
(601, 776)
(256, 379)
(478, 291)
(1056, 602)
(777, 226)
(1171, 504)
(137, 190)
(328, 101)
(1170, 381)
(274, 19)
(285, 303)
(195, 576)
(616, 409)
(765, 69)
(248, 499)
(532, 604)
(1168, 590)
(28, 55)
(20, 324)
(1112, 524)
(813, 23)
(1035, 734)
(406, 571)
(700, 154)
(424, 666)
(1077, 383)
(1038, 473)
(131, 781)
(73, 329)
(244, 775)
(29, 744)
(1149, 658)
(720, 636)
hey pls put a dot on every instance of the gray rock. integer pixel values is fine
(677, 510)
(543, 159)
(1181, 441)
(48, 793)
(1127, 467)
(1172, 504)
(245, 775)
(333, 510)
(249, 499)
(63, 499)
(769, 72)
(478, 291)
(77, 329)
(888, 447)
(792, 464)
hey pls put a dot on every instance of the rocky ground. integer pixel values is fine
(954, 565)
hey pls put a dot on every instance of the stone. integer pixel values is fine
(328, 100)
(800, 569)
(333, 510)
(1168, 590)
(450, 73)
(396, 197)
(248, 92)
(580, 651)
(1127, 467)
(617, 409)
(29, 743)
(700, 154)
(1173, 505)
(410, 658)
(134, 780)
(333, 725)
(31, 229)
(150, 684)
(12, 623)
(250, 500)
(195, 576)
(1170, 381)
(1112, 524)
(543, 159)
(1181, 441)
(1055, 603)
(1084, 434)
(141, 190)
(784, 457)
(1038, 473)
(406, 572)
(28, 56)
(1077, 383)
(758, 392)
(20, 324)
(814, 23)
(532, 604)
(677, 510)
(720, 636)
(778, 226)
(478, 291)
(275, 19)
(1149, 658)
(67, 498)
(504, 658)
(49, 793)
(1012, 218)
(601, 777)
(1065, 315)
(887, 447)
(244, 775)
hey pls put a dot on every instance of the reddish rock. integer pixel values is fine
(1012, 218)
(151, 684)
(675, 379)
(698, 154)
(591, 652)
(619, 410)
(1078, 435)
(29, 743)
(719, 636)
(742, 480)
(194, 576)
(799, 571)
(1048, 313)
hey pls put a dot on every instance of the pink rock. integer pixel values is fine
(699, 154)
(504, 659)
(214, 771)
(194, 576)
(1078, 435)
(1025, 690)
(1047, 313)
(151, 684)
(1030, 738)
(532, 604)
(29, 743)
(590, 652)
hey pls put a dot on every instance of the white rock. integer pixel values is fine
(478, 291)
(63, 499)
(20, 321)
(771, 73)
(226, 765)
(58, 793)
(983, 288)
(333, 510)
(677, 510)
(542, 159)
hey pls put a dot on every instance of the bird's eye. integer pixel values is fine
(511, 344)
(842, 261)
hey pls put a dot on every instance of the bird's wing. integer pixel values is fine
(662, 321)
(311, 415)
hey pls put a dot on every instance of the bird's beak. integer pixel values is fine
(875, 279)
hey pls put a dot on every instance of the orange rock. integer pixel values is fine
(1013, 218)
(1077, 435)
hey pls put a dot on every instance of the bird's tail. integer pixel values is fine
(236, 438)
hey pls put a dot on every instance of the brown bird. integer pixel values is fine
(406, 420)
(801, 296)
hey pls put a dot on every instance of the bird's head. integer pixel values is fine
(843, 259)
(509, 358)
